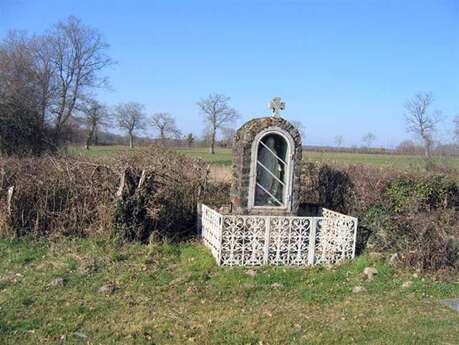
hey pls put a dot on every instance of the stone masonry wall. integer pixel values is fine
(242, 155)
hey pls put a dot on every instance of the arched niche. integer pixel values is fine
(266, 169)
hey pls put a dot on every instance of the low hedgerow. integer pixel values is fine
(130, 196)
(412, 213)
(55, 195)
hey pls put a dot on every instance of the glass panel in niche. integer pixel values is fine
(271, 171)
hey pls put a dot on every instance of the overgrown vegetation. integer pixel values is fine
(130, 197)
(156, 191)
(175, 294)
(411, 213)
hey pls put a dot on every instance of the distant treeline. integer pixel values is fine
(78, 137)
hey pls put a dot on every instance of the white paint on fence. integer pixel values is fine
(237, 240)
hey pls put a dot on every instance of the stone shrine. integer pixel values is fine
(267, 154)
(264, 226)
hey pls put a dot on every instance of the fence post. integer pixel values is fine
(9, 200)
(312, 241)
(355, 236)
(267, 237)
(221, 221)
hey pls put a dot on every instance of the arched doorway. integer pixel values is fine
(271, 170)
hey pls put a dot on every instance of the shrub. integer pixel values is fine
(160, 193)
(327, 186)
(422, 193)
(76, 196)
(408, 212)
(56, 195)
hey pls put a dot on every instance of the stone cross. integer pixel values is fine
(276, 105)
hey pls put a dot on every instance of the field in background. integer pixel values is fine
(176, 294)
(223, 157)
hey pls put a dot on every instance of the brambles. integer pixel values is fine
(75, 196)
(408, 212)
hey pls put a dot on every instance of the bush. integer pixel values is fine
(327, 186)
(407, 212)
(76, 196)
(20, 131)
(430, 240)
(160, 193)
(424, 193)
(56, 195)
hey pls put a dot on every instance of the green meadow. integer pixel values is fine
(223, 156)
(176, 294)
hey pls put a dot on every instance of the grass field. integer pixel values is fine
(175, 294)
(223, 157)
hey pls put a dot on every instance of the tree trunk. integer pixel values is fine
(428, 152)
(212, 142)
(96, 138)
(131, 140)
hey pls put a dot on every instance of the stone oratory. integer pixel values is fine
(267, 154)
(263, 226)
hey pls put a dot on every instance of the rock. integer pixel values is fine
(393, 259)
(59, 281)
(277, 285)
(370, 272)
(358, 289)
(251, 273)
(11, 278)
(108, 289)
(376, 255)
(408, 284)
(453, 303)
(415, 275)
(80, 335)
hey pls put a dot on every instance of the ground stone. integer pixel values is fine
(376, 255)
(393, 259)
(453, 303)
(108, 289)
(59, 281)
(358, 289)
(408, 284)
(370, 272)
(276, 285)
(251, 273)
(80, 335)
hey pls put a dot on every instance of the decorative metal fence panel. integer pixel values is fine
(275, 240)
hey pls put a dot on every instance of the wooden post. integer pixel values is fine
(119, 193)
(9, 200)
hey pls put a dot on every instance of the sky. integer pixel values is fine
(342, 67)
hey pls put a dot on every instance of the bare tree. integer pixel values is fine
(130, 117)
(190, 139)
(368, 139)
(165, 124)
(217, 113)
(21, 126)
(50, 75)
(339, 140)
(78, 56)
(95, 116)
(420, 121)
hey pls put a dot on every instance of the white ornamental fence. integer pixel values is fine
(279, 240)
